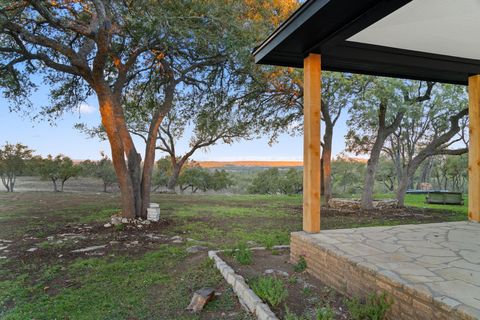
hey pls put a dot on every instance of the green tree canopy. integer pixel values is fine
(58, 169)
(13, 158)
(112, 49)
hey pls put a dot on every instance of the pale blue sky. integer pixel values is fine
(64, 138)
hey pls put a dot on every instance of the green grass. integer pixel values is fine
(117, 287)
(157, 284)
(418, 200)
(242, 254)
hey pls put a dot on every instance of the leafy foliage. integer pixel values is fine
(128, 57)
(102, 169)
(347, 176)
(162, 173)
(59, 168)
(374, 308)
(197, 178)
(12, 163)
(301, 265)
(325, 313)
(106, 172)
(270, 289)
(242, 254)
(273, 181)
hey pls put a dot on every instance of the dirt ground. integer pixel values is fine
(305, 293)
(46, 237)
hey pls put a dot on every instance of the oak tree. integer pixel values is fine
(108, 48)
(376, 114)
(13, 158)
(58, 169)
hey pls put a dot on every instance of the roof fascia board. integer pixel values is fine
(296, 20)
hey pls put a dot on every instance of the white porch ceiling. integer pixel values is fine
(447, 27)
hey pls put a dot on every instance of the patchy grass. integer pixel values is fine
(418, 201)
(155, 281)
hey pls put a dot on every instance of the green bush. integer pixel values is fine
(277, 181)
(301, 265)
(374, 308)
(270, 290)
(243, 254)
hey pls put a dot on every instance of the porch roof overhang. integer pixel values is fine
(434, 40)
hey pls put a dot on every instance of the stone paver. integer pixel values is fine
(443, 258)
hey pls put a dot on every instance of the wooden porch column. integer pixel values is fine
(311, 143)
(474, 149)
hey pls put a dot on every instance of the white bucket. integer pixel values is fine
(153, 214)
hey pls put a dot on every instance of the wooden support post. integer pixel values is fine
(474, 149)
(311, 143)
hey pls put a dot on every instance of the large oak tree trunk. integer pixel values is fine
(134, 181)
(149, 162)
(326, 163)
(150, 147)
(383, 133)
(405, 182)
(177, 168)
(372, 164)
(117, 145)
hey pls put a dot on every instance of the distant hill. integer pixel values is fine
(221, 164)
(264, 164)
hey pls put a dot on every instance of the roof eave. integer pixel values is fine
(296, 20)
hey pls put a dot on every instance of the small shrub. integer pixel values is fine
(374, 308)
(301, 265)
(269, 243)
(292, 279)
(307, 291)
(119, 227)
(270, 290)
(325, 313)
(243, 254)
(292, 316)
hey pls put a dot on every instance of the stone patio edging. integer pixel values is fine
(245, 295)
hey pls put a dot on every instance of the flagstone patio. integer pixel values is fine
(432, 270)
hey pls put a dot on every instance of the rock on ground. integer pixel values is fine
(276, 272)
(200, 299)
(87, 249)
(352, 204)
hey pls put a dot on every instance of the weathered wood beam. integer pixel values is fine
(474, 149)
(311, 143)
